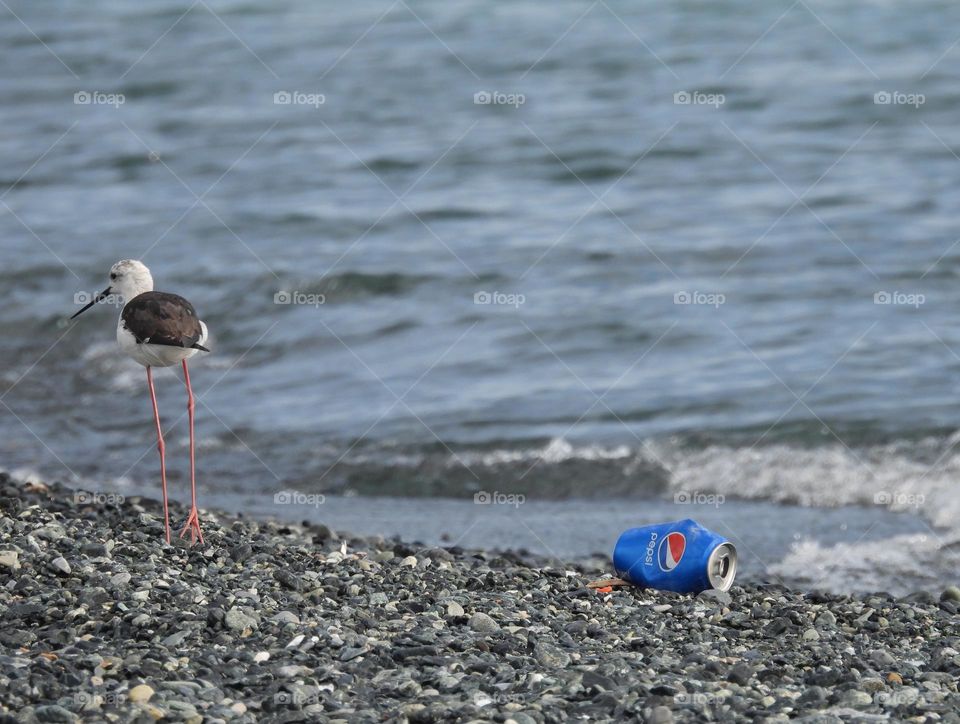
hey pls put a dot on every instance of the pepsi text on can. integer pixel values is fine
(681, 556)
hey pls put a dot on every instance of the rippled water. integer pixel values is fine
(781, 200)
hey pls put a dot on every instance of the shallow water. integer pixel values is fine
(500, 281)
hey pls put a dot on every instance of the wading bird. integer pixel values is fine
(158, 329)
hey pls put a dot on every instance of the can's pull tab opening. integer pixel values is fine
(722, 566)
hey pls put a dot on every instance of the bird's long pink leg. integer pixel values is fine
(162, 449)
(193, 520)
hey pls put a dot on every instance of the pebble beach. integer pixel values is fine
(100, 620)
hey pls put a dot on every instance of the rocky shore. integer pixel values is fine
(268, 622)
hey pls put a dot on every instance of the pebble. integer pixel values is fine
(54, 713)
(141, 694)
(856, 699)
(550, 656)
(660, 715)
(881, 659)
(825, 619)
(237, 620)
(285, 617)
(714, 597)
(482, 623)
(333, 627)
(60, 565)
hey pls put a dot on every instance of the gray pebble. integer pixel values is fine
(550, 656)
(60, 565)
(482, 623)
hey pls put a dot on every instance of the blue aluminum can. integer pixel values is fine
(682, 556)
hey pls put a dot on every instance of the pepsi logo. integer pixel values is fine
(671, 551)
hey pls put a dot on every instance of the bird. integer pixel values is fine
(158, 329)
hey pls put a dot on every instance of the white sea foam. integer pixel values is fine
(556, 451)
(893, 476)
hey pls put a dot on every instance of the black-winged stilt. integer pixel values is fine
(158, 330)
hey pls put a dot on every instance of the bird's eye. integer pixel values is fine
(113, 276)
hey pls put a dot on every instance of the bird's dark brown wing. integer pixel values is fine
(162, 318)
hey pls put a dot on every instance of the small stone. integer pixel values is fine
(241, 552)
(53, 713)
(482, 623)
(740, 674)
(120, 579)
(285, 617)
(409, 562)
(238, 708)
(261, 656)
(10, 559)
(455, 609)
(826, 619)
(811, 634)
(715, 597)
(950, 593)
(661, 608)
(894, 678)
(295, 641)
(872, 685)
(881, 659)
(237, 620)
(349, 653)
(287, 579)
(855, 698)
(176, 639)
(60, 565)
(660, 715)
(550, 656)
(378, 599)
(140, 694)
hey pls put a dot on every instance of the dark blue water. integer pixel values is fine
(788, 200)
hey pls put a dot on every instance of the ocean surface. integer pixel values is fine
(505, 274)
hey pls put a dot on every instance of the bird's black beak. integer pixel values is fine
(100, 296)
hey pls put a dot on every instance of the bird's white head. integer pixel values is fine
(130, 278)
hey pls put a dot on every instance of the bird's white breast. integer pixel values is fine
(154, 355)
